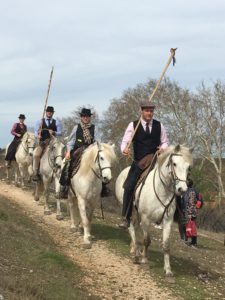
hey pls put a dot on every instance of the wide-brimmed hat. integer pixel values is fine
(50, 109)
(147, 104)
(85, 112)
(21, 116)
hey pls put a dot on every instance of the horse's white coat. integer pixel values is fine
(173, 164)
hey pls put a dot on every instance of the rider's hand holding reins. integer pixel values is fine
(126, 151)
(67, 155)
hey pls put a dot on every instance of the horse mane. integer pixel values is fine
(185, 151)
(90, 154)
(28, 133)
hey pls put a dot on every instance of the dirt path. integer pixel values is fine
(107, 274)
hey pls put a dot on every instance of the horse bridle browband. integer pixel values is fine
(97, 159)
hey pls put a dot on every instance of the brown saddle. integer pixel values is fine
(76, 160)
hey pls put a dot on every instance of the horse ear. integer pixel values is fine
(177, 148)
(113, 146)
(191, 149)
(99, 145)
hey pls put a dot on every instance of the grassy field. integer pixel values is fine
(30, 265)
(199, 273)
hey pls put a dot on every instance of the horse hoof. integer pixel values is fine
(136, 260)
(47, 212)
(144, 261)
(17, 184)
(80, 230)
(87, 246)
(169, 278)
(59, 217)
(73, 229)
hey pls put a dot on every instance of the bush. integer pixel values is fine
(212, 219)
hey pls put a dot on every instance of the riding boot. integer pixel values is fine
(106, 192)
(65, 180)
(129, 187)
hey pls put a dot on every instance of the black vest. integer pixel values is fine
(143, 143)
(45, 134)
(80, 137)
(20, 130)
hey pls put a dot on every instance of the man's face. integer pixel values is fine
(147, 114)
(21, 121)
(49, 114)
(85, 119)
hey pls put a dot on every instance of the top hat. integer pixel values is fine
(21, 116)
(85, 112)
(147, 104)
(50, 109)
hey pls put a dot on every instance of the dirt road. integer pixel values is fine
(108, 275)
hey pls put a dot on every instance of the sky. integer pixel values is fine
(99, 48)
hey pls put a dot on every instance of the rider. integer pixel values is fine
(82, 135)
(150, 137)
(44, 129)
(18, 131)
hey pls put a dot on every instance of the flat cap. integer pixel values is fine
(147, 104)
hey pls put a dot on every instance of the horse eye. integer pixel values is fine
(101, 158)
(174, 164)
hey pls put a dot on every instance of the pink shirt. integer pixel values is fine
(13, 131)
(164, 142)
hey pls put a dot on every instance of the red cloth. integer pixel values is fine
(191, 229)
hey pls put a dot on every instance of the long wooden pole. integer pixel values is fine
(46, 99)
(172, 57)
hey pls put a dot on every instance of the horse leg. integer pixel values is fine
(59, 215)
(133, 239)
(73, 213)
(167, 224)
(21, 170)
(85, 222)
(146, 242)
(30, 172)
(16, 176)
(46, 184)
(38, 190)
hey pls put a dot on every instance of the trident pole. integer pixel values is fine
(46, 99)
(171, 58)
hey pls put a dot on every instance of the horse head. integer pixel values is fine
(56, 148)
(177, 164)
(99, 158)
(29, 143)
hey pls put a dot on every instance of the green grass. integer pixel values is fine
(186, 263)
(30, 265)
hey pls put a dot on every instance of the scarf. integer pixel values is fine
(86, 132)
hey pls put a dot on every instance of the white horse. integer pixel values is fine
(156, 200)
(24, 155)
(50, 168)
(86, 184)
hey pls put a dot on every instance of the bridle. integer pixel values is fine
(175, 179)
(52, 161)
(97, 159)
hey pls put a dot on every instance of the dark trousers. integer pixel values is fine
(129, 186)
(11, 152)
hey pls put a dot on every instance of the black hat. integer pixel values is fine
(21, 116)
(85, 112)
(147, 104)
(50, 109)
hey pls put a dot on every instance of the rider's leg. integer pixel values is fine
(129, 187)
(36, 161)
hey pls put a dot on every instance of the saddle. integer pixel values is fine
(148, 162)
(76, 160)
